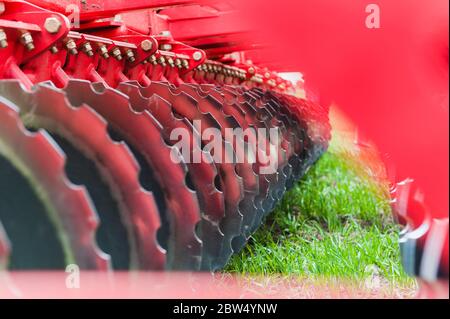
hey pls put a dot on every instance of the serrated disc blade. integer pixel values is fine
(143, 132)
(47, 107)
(202, 170)
(40, 159)
(184, 105)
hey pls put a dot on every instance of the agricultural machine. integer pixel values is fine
(89, 108)
(91, 172)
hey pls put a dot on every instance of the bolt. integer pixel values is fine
(54, 49)
(267, 75)
(116, 53)
(197, 56)
(130, 56)
(27, 40)
(146, 45)
(52, 25)
(71, 46)
(103, 51)
(2, 7)
(3, 38)
(87, 48)
(251, 70)
(162, 61)
(152, 60)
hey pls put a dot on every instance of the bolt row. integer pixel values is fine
(52, 25)
(225, 70)
(163, 61)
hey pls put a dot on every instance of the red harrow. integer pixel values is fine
(95, 99)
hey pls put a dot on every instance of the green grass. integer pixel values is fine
(336, 222)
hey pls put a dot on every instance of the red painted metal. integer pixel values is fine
(198, 48)
(97, 9)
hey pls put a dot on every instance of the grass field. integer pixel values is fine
(335, 223)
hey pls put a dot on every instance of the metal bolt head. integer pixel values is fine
(152, 59)
(117, 54)
(146, 45)
(87, 48)
(54, 49)
(52, 25)
(27, 40)
(2, 7)
(130, 56)
(3, 39)
(251, 70)
(197, 56)
(72, 47)
(103, 51)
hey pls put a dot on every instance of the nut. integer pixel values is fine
(116, 53)
(27, 40)
(130, 56)
(3, 39)
(87, 48)
(52, 25)
(146, 45)
(197, 56)
(103, 51)
(152, 59)
(54, 49)
(71, 46)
